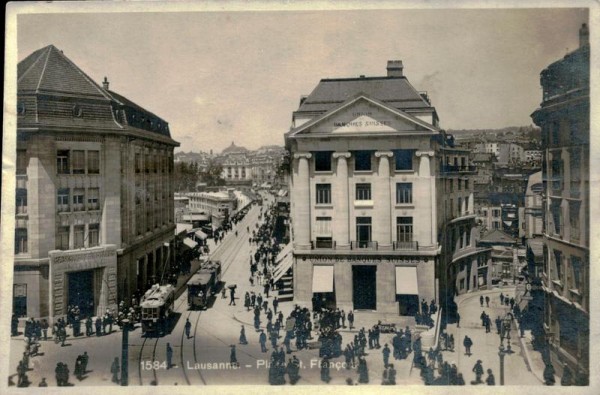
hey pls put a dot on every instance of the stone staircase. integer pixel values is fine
(286, 292)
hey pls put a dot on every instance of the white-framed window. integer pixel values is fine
(404, 192)
(62, 238)
(323, 226)
(21, 201)
(20, 240)
(63, 199)
(404, 229)
(323, 193)
(62, 162)
(78, 199)
(93, 235)
(363, 191)
(79, 231)
(78, 161)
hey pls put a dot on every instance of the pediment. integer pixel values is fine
(364, 115)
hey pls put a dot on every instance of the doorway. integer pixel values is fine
(81, 292)
(364, 289)
(408, 304)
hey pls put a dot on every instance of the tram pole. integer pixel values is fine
(124, 354)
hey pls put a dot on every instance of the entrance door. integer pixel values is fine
(364, 288)
(81, 291)
(408, 304)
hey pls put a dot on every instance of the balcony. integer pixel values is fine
(405, 245)
(323, 244)
(458, 169)
(363, 245)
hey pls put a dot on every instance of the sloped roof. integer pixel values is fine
(534, 184)
(496, 236)
(232, 149)
(49, 70)
(396, 92)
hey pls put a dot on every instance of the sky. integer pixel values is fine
(219, 77)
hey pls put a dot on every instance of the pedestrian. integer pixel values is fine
(487, 301)
(490, 378)
(45, 329)
(467, 342)
(459, 379)
(233, 357)
(325, 370)
(88, 327)
(391, 376)
(43, 383)
(386, 355)
(78, 368)
(343, 315)
(487, 324)
(481, 300)
(351, 319)
(14, 325)
(275, 304)
(262, 338)
(223, 293)
(567, 377)
(98, 326)
(169, 356)
(549, 374)
(457, 319)
(232, 296)
(498, 324)
(84, 362)
(243, 339)
(363, 371)
(114, 369)
(501, 298)
(188, 327)
(478, 369)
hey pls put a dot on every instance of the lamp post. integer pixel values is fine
(501, 354)
(507, 327)
(124, 354)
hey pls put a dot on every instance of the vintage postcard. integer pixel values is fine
(245, 196)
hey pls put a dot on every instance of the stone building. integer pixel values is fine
(365, 199)
(564, 116)
(94, 200)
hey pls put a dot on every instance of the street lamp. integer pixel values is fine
(501, 354)
(507, 326)
(124, 354)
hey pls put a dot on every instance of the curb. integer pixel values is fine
(527, 356)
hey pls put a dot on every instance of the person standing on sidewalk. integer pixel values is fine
(188, 327)
(351, 319)
(457, 319)
(481, 300)
(487, 301)
(386, 355)
(232, 296)
(114, 369)
(478, 369)
(169, 356)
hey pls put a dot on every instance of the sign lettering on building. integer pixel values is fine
(369, 259)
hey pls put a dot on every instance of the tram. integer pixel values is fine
(157, 308)
(204, 284)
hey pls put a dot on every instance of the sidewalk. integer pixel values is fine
(486, 345)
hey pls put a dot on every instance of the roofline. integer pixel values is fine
(364, 78)
(352, 100)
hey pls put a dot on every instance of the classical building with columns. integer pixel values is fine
(94, 197)
(364, 194)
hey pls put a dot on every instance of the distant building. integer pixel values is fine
(94, 198)
(510, 153)
(217, 205)
(532, 224)
(564, 116)
(490, 217)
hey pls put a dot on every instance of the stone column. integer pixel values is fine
(382, 223)
(342, 273)
(341, 224)
(425, 172)
(302, 202)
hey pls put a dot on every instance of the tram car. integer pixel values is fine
(157, 307)
(204, 284)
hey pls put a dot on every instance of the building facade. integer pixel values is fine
(564, 116)
(94, 200)
(216, 205)
(365, 196)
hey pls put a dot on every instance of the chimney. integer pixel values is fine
(584, 35)
(105, 83)
(394, 68)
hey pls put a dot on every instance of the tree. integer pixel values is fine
(186, 176)
(212, 174)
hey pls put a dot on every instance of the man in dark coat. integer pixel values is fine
(478, 370)
(468, 343)
(188, 327)
(263, 341)
(114, 369)
(490, 380)
(386, 355)
(351, 319)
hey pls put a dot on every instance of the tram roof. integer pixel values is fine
(200, 278)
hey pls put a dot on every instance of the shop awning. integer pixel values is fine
(283, 266)
(200, 234)
(287, 250)
(322, 279)
(406, 281)
(189, 242)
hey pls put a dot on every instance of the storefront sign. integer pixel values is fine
(369, 259)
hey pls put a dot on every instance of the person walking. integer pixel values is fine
(243, 339)
(468, 343)
(114, 369)
(549, 374)
(457, 319)
(386, 355)
(232, 296)
(233, 356)
(169, 356)
(351, 319)
(262, 339)
(487, 301)
(363, 371)
(188, 327)
(490, 380)
(481, 300)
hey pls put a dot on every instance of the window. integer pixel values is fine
(459, 184)
(362, 160)
(20, 240)
(574, 219)
(323, 161)
(363, 191)
(556, 211)
(557, 265)
(468, 237)
(78, 199)
(404, 159)
(403, 192)
(363, 231)
(62, 238)
(21, 161)
(93, 198)
(557, 170)
(63, 199)
(495, 213)
(577, 267)
(459, 203)
(93, 160)
(404, 227)
(78, 162)
(21, 204)
(79, 236)
(451, 185)
(138, 162)
(62, 162)
(462, 283)
(93, 235)
(323, 226)
(323, 193)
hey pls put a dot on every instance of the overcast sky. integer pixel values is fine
(218, 77)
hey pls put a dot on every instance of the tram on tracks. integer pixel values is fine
(204, 284)
(157, 307)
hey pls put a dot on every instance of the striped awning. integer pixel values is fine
(189, 242)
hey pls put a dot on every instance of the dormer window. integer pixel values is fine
(77, 111)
